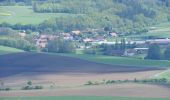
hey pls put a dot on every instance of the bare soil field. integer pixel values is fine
(66, 76)
(12, 64)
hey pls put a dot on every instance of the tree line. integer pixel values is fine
(155, 53)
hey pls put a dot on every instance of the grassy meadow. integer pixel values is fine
(25, 15)
(7, 50)
(113, 60)
(78, 98)
(164, 74)
(160, 30)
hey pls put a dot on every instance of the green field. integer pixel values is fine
(7, 50)
(160, 30)
(114, 60)
(165, 74)
(77, 98)
(25, 15)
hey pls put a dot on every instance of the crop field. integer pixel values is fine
(78, 98)
(25, 15)
(7, 50)
(125, 61)
(36, 62)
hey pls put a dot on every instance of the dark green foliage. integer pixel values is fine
(121, 16)
(15, 2)
(60, 46)
(5, 89)
(112, 15)
(89, 83)
(167, 53)
(116, 49)
(18, 43)
(30, 86)
(154, 52)
(144, 81)
(38, 87)
(7, 31)
(29, 83)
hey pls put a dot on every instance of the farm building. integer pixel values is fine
(135, 51)
(113, 34)
(158, 41)
(43, 40)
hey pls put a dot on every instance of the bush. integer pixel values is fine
(38, 87)
(5, 89)
(89, 83)
(27, 88)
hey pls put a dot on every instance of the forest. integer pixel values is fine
(121, 16)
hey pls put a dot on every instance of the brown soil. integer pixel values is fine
(12, 64)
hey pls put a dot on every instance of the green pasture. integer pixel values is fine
(25, 15)
(164, 74)
(7, 50)
(126, 61)
(159, 31)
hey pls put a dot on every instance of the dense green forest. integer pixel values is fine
(121, 16)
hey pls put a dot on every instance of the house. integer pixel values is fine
(87, 40)
(77, 32)
(43, 40)
(134, 51)
(22, 34)
(158, 41)
(67, 36)
(129, 52)
(99, 39)
(113, 34)
(141, 50)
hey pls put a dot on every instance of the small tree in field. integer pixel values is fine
(29, 83)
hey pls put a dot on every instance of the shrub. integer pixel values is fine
(38, 87)
(89, 83)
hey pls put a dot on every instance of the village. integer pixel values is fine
(90, 39)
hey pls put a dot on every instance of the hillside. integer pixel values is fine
(122, 16)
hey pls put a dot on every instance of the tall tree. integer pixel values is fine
(167, 53)
(154, 52)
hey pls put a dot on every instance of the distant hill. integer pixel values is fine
(122, 16)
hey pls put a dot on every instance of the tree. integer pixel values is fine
(29, 83)
(167, 53)
(123, 44)
(154, 52)
(60, 46)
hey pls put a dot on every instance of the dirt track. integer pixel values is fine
(13, 64)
